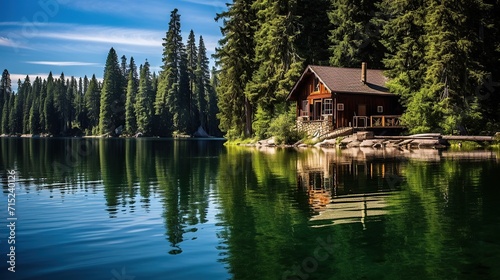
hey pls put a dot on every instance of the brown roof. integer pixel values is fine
(347, 80)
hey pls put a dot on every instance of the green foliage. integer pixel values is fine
(355, 38)
(92, 102)
(144, 101)
(283, 128)
(112, 90)
(132, 88)
(437, 62)
(235, 59)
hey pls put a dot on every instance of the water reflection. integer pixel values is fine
(373, 213)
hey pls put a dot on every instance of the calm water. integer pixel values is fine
(163, 209)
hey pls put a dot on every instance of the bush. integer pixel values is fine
(283, 128)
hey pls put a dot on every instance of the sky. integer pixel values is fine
(74, 36)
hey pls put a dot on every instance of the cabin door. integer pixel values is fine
(361, 109)
(317, 109)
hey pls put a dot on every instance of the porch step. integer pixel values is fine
(343, 131)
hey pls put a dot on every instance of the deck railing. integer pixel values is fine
(385, 121)
(377, 121)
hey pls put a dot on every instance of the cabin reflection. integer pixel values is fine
(348, 186)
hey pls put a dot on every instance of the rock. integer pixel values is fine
(364, 135)
(327, 143)
(354, 144)
(201, 133)
(369, 143)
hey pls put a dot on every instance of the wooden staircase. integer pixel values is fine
(343, 131)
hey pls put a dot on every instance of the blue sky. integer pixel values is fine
(74, 36)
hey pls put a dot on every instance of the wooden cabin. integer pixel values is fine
(329, 98)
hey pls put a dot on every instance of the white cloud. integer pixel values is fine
(63, 63)
(8, 42)
(108, 35)
(213, 3)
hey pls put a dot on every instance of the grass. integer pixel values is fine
(240, 141)
(465, 145)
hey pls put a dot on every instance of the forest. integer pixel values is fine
(129, 101)
(442, 58)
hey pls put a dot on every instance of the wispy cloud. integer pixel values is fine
(213, 3)
(108, 35)
(63, 63)
(8, 42)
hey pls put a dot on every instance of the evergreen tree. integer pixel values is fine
(355, 37)
(34, 117)
(41, 106)
(203, 86)
(15, 114)
(25, 99)
(50, 118)
(4, 129)
(192, 65)
(133, 83)
(235, 58)
(111, 111)
(5, 90)
(62, 103)
(213, 109)
(92, 101)
(170, 98)
(314, 27)
(276, 55)
(144, 101)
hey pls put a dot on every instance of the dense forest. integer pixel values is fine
(442, 58)
(129, 100)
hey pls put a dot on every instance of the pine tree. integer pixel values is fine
(5, 90)
(133, 83)
(34, 117)
(314, 27)
(203, 86)
(169, 107)
(192, 65)
(41, 106)
(144, 101)
(92, 99)
(213, 109)
(276, 55)
(50, 118)
(111, 112)
(235, 58)
(355, 37)
(25, 99)
(16, 110)
(4, 129)
(62, 103)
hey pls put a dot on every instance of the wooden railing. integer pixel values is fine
(385, 121)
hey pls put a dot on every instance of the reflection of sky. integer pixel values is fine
(71, 228)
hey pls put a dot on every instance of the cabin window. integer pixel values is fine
(340, 106)
(305, 108)
(316, 84)
(327, 107)
(380, 109)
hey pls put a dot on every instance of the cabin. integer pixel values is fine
(330, 98)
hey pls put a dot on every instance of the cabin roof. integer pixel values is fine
(345, 80)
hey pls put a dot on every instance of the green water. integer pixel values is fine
(165, 209)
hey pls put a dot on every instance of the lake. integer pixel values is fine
(186, 209)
